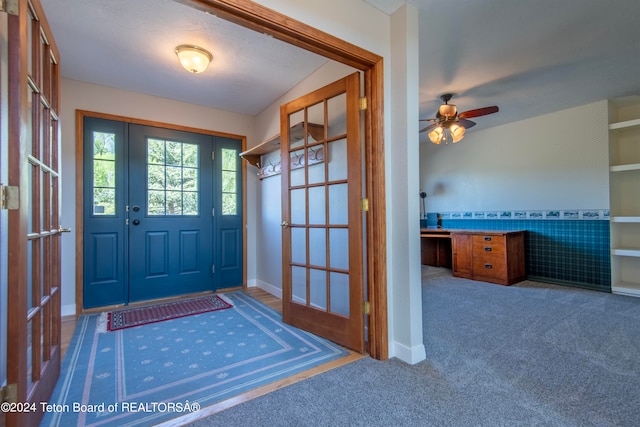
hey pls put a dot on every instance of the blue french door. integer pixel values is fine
(162, 213)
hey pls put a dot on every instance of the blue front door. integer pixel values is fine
(170, 212)
(162, 213)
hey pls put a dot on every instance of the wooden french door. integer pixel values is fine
(323, 290)
(33, 272)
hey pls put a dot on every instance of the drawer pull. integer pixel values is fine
(487, 249)
(489, 266)
(487, 238)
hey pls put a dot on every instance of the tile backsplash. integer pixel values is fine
(568, 247)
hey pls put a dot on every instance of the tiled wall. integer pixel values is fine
(563, 247)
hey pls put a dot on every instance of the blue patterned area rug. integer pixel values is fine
(150, 374)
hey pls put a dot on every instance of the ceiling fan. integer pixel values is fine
(448, 121)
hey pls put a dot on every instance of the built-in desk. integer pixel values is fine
(490, 256)
(435, 246)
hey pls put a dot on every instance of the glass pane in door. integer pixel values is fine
(172, 178)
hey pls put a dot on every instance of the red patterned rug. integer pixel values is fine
(130, 317)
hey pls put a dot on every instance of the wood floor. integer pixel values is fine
(69, 324)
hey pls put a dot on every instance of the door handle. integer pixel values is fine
(284, 224)
(62, 229)
(135, 222)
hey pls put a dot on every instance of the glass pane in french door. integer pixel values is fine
(319, 208)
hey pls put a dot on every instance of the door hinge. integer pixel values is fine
(363, 103)
(213, 269)
(213, 155)
(366, 307)
(213, 211)
(364, 205)
(9, 394)
(9, 197)
(9, 6)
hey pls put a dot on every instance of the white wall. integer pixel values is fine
(556, 161)
(84, 96)
(405, 293)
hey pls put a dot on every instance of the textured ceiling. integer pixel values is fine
(129, 44)
(527, 57)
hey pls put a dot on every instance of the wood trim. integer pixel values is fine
(17, 219)
(79, 212)
(245, 240)
(144, 122)
(80, 115)
(267, 21)
(377, 223)
(259, 18)
(354, 173)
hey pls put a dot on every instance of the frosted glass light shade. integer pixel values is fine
(457, 132)
(193, 58)
(436, 135)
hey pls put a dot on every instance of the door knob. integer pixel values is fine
(284, 224)
(135, 222)
(62, 229)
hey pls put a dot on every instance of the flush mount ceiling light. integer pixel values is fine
(193, 58)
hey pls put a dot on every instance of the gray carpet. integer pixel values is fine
(531, 354)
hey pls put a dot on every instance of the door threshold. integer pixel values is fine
(152, 301)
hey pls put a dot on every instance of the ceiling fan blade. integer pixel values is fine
(466, 123)
(428, 127)
(427, 120)
(478, 112)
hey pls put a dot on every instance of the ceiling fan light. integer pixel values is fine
(436, 135)
(447, 110)
(193, 58)
(457, 132)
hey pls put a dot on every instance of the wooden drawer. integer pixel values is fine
(492, 247)
(490, 268)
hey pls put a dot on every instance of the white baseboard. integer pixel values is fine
(252, 283)
(273, 290)
(411, 355)
(68, 310)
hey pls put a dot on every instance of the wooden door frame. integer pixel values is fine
(267, 21)
(80, 115)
